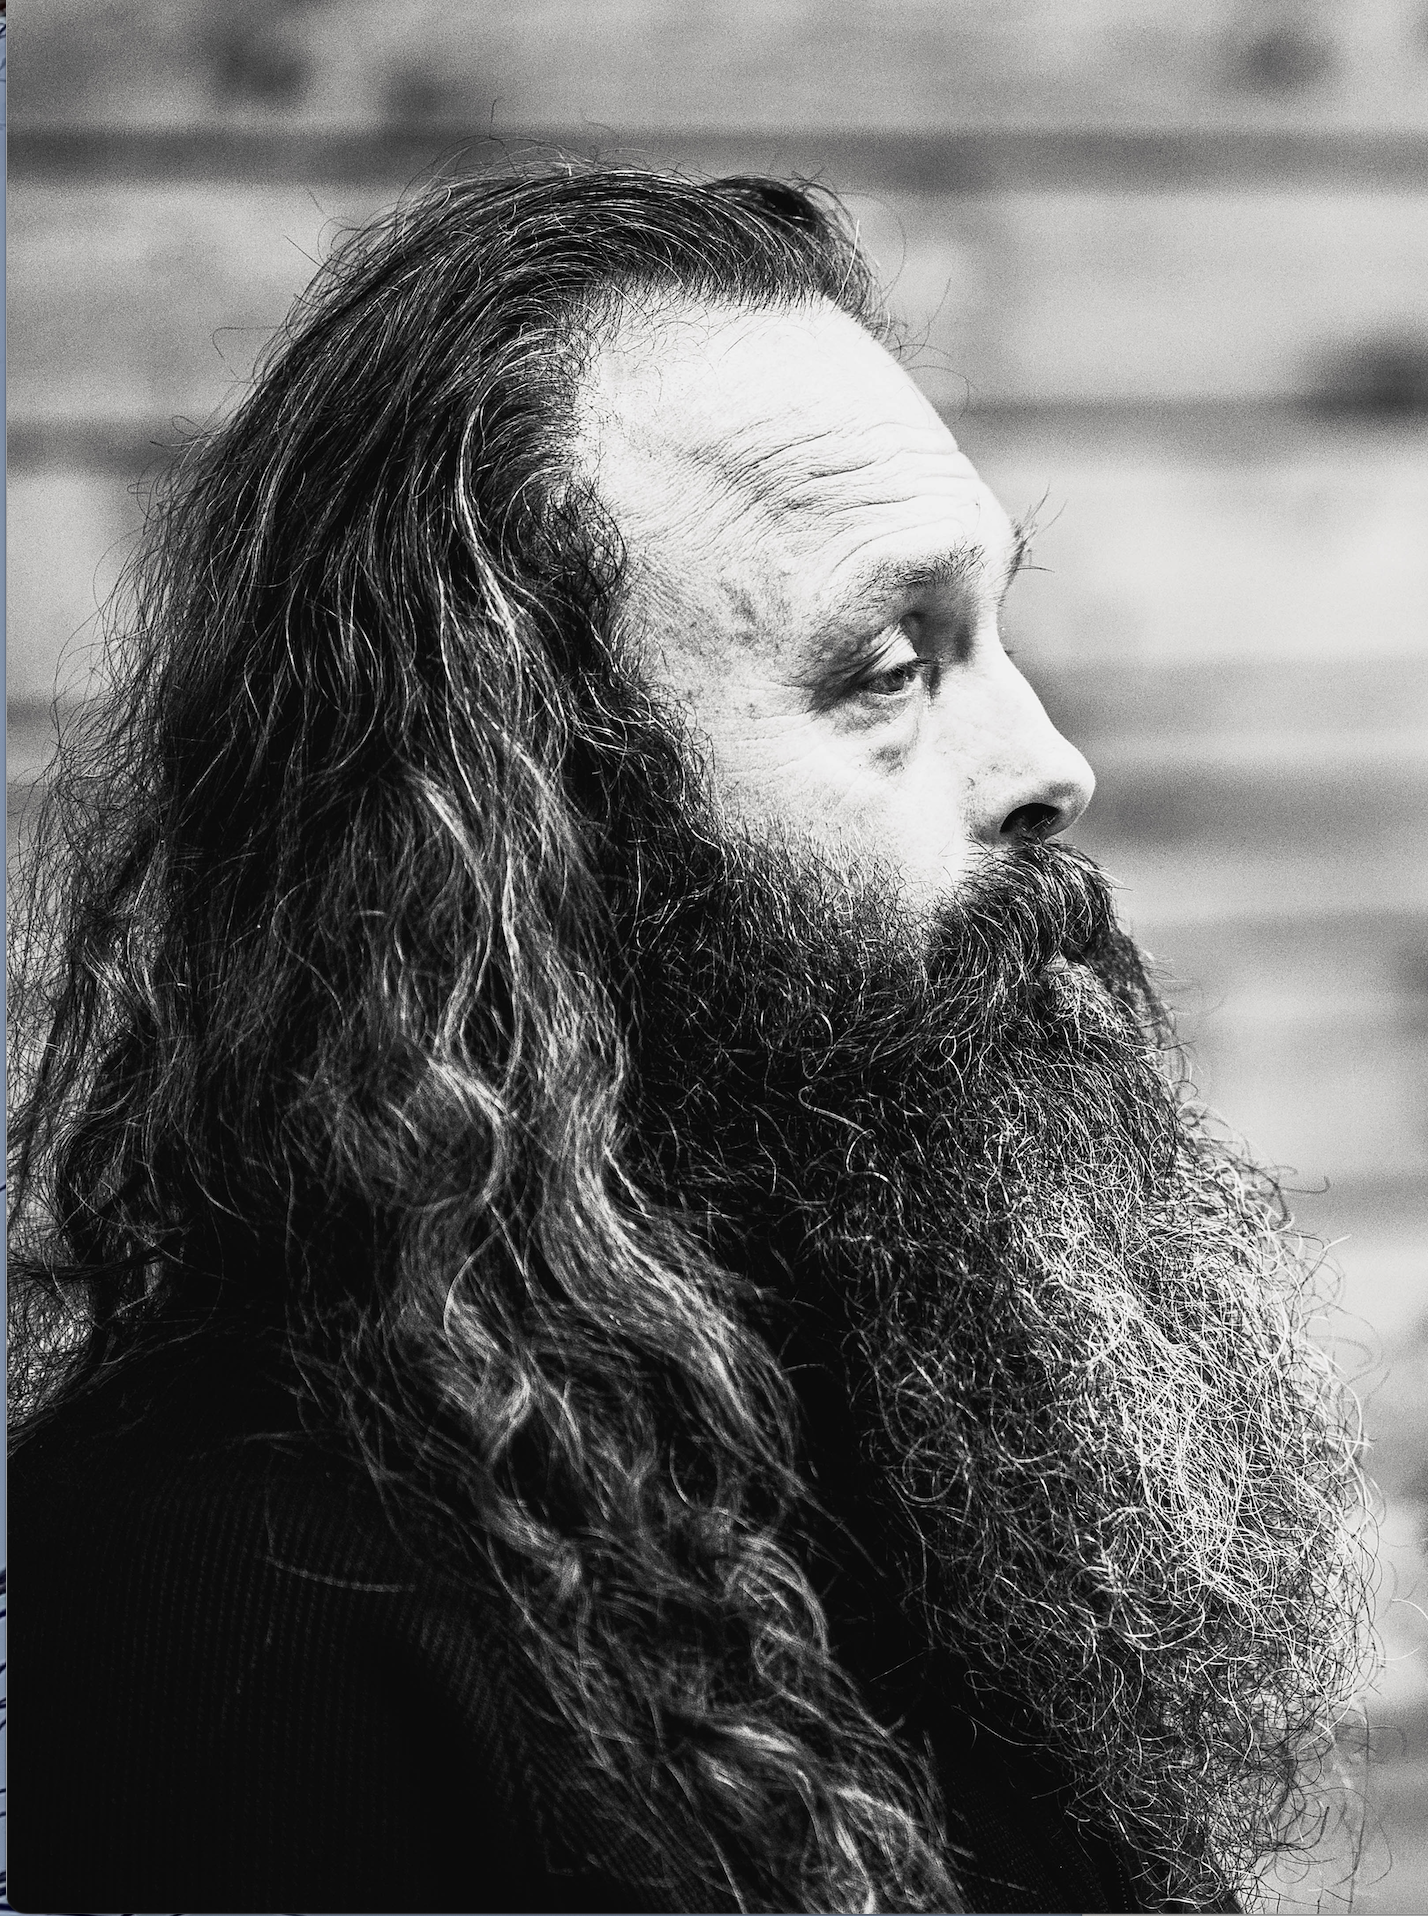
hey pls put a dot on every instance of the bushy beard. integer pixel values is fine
(1111, 1471)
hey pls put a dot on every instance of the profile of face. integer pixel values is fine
(922, 1088)
(814, 574)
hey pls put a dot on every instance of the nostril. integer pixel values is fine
(1031, 821)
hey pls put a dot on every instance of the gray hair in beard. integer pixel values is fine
(1074, 1325)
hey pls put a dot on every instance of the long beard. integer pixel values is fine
(1109, 1470)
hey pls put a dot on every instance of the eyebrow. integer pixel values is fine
(898, 578)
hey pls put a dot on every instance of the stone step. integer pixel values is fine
(1186, 581)
(142, 298)
(943, 66)
(1249, 708)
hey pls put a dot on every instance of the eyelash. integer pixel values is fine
(916, 667)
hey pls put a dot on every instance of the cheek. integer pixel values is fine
(924, 817)
(932, 848)
(879, 801)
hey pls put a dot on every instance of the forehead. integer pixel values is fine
(794, 429)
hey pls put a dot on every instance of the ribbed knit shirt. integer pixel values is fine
(232, 1688)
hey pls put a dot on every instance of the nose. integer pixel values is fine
(1028, 781)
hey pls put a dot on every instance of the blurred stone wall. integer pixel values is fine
(1167, 267)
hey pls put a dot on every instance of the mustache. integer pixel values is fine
(1029, 905)
(1026, 922)
(806, 960)
(1019, 911)
(769, 989)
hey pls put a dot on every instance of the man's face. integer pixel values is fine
(1074, 1409)
(814, 577)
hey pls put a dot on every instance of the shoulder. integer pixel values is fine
(231, 1679)
(183, 1504)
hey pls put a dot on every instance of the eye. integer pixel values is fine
(895, 681)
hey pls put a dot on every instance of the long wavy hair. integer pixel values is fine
(314, 1020)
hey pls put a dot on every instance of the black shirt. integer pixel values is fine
(233, 1689)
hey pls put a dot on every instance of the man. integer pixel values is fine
(617, 1307)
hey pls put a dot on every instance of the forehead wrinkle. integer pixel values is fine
(792, 475)
(746, 593)
(750, 488)
(781, 488)
(777, 469)
(702, 502)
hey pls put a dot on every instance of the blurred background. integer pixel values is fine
(1166, 272)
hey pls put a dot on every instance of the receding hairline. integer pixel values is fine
(631, 324)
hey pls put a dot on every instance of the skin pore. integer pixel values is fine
(815, 572)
